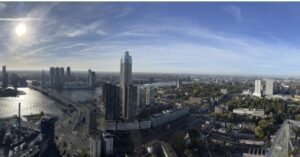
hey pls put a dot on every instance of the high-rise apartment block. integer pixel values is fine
(269, 87)
(258, 88)
(111, 101)
(57, 78)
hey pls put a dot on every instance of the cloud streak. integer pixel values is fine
(20, 19)
(235, 11)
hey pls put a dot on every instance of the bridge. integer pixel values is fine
(61, 99)
(285, 142)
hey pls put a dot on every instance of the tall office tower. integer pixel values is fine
(95, 146)
(126, 70)
(62, 76)
(68, 71)
(57, 77)
(52, 77)
(68, 74)
(111, 101)
(125, 80)
(43, 80)
(92, 121)
(4, 77)
(88, 76)
(269, 87)
(130, 109)
(257, 90)
(149, 96)
(141, 97)
(92, 79)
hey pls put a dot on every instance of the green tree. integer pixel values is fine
(297, 117)
(259, 132)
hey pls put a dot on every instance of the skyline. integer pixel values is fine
(203, 38)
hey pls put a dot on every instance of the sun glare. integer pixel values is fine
(20, 29)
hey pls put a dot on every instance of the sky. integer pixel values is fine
(252, 38)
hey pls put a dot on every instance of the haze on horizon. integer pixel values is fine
(204, 38)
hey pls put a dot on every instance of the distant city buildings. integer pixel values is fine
(179, 83)
(4, 77)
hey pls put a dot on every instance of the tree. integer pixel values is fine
(259, 132)
(42, 114)
(297, 117)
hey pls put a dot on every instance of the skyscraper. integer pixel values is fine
(149, 96)
(92, 121)
(95, 146)
(68, 71)
(141, 97)
(126, 70)
(111, 101)
(4, 77)
(62, 77)
(43, 80)
(57, 77)
(91, 79)
(257, 91)
(52, 77)
(130, 109)
(125, 81)
(269, 87)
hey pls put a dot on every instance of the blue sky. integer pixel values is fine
(203, 38)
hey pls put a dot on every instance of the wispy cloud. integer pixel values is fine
(20, 19)
(127, 11)
(2, 6)
(84, 29)
(235, 11)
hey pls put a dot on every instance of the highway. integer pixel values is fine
(69, 130)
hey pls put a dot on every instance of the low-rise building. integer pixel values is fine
(221, 109)
(252, 112)
(224, 91)
(195, 100)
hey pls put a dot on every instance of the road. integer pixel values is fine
(70, 131)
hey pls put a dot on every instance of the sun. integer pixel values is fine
(20, 29)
